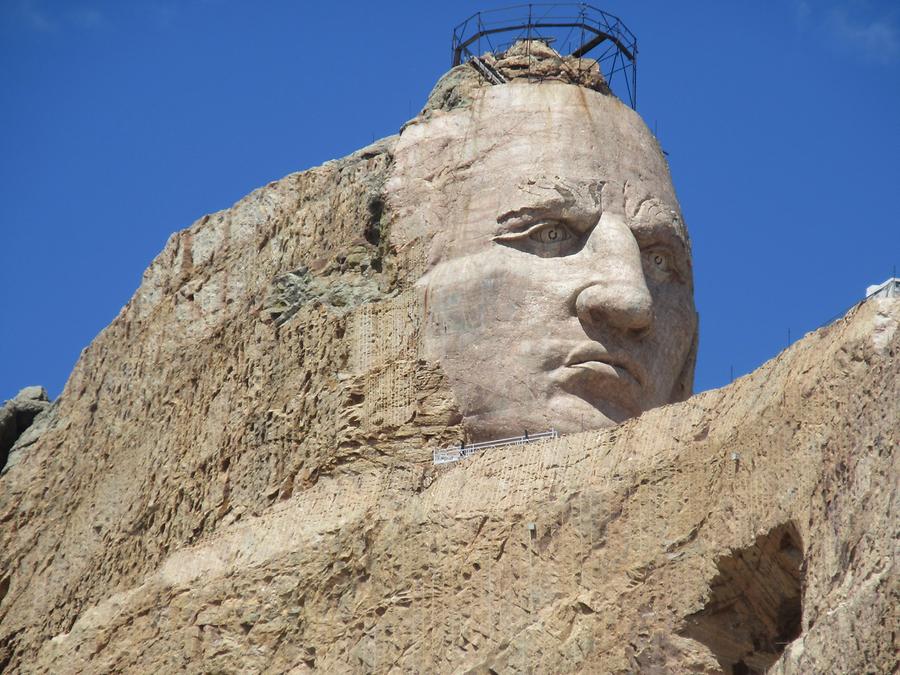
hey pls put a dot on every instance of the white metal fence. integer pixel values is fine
(454, 454)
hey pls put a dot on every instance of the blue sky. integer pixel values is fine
(122, 122)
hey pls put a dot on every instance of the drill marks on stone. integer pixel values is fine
(639, 591)
(384, 348)
(384, 332)
(501, 474)
(363, 336)
(329, 507)
(552, 465)
(390, 399)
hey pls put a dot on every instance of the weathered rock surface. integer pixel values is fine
(194, 408)
(22, 419)
(391, 566)
(536, 60)
(525, 60)
(238, 478)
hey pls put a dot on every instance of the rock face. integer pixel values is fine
(238, 477)
(700, 537)
(23, 413)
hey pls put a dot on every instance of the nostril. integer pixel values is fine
(640, 318)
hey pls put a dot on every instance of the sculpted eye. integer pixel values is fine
(550, 234)
(658, 263)
(545, 239)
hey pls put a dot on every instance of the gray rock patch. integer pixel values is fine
(19, 416)
(339, 293)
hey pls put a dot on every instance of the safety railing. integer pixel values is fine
(454, 454)
(577, 29)
(886, 289)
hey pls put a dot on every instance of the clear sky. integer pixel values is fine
(124, 121)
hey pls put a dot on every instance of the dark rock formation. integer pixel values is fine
(18, 414)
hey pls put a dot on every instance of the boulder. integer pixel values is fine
(17, 415)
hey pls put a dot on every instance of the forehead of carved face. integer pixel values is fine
(558, 284)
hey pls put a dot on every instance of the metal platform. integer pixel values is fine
(578, 30)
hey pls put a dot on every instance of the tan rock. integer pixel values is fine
(238, 477)
(639, 532)
(557, 274)
(536, 60)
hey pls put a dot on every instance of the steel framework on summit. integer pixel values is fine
(578, 30)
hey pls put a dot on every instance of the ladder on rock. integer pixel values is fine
(488, 72)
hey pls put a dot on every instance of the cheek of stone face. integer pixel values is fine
(666, 350)
(461, 301)
(489, 293)
(488, 322)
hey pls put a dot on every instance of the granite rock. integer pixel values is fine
(18, 416)
(238, 476)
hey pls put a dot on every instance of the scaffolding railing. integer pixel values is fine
(576, 29)
(454, 454)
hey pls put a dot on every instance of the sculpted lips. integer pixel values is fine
(594, 357)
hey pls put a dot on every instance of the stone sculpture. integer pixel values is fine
(558, 284)
(238, 476)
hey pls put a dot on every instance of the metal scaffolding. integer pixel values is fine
(579, 30)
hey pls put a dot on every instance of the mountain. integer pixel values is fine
(238, 475)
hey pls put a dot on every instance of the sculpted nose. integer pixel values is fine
(626, 306)
(618, 295)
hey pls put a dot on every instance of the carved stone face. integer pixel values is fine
(558, 286)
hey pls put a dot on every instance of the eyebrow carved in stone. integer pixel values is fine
(554, 196)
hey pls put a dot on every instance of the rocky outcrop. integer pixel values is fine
(26, 412)
(531, 60)
(772, 500)
(535, 60)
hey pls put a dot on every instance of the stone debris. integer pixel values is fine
(530, 60)
(535, 60)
